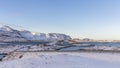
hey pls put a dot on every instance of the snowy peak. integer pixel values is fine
(8, 34)
(6, 28)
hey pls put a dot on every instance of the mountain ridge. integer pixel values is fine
(8, 34)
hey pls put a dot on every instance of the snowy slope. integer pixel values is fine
(8, 34)
(62, 60)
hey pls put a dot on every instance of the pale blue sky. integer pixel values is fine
(97, 19)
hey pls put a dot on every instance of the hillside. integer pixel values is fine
(8, 34)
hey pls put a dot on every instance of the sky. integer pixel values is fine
(95, 19)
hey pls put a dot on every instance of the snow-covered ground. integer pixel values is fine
(53, 46)
(112, 48)
(40, 47)
(61, 60)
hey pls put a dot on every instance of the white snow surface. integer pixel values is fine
(62, 60)
(112, 48)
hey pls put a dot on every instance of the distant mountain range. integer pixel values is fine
(8, 34)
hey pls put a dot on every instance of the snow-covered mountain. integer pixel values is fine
(8, 34)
